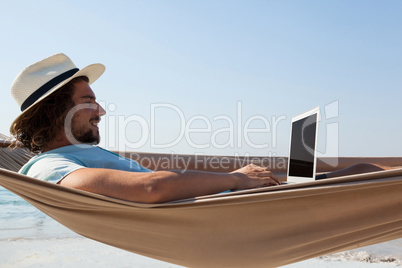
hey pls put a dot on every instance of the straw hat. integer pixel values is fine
(44, 77)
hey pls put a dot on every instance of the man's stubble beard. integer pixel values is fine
(82, 135)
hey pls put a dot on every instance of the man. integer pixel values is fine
(59, 120)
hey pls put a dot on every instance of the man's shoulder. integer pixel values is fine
(46, 160)
(51, 167)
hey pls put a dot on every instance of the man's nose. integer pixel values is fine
(101, 111)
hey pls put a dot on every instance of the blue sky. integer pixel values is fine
(195, 63)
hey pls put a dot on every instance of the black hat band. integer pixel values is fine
(46, 87)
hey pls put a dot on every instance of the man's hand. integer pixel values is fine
(253, 176)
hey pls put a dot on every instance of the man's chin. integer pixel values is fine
(89, 138)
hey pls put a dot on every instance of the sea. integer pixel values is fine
(29, 238)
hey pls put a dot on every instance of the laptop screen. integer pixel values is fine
(302, 157)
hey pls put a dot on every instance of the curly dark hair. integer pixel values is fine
(38, 127)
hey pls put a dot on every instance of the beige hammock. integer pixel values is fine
(266, 227)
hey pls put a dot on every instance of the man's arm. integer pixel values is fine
(165, 186)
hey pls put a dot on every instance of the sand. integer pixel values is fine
(81, 252)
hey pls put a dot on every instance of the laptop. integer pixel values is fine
(302, 159)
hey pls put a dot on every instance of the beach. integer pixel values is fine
(29, 238)
(81, 252)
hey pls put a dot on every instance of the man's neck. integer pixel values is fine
(57, 143)
(49, 148)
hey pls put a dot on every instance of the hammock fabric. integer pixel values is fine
(266, 227)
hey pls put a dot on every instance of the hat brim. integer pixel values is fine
(93, 72)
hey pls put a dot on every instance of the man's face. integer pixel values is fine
(84, 123)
